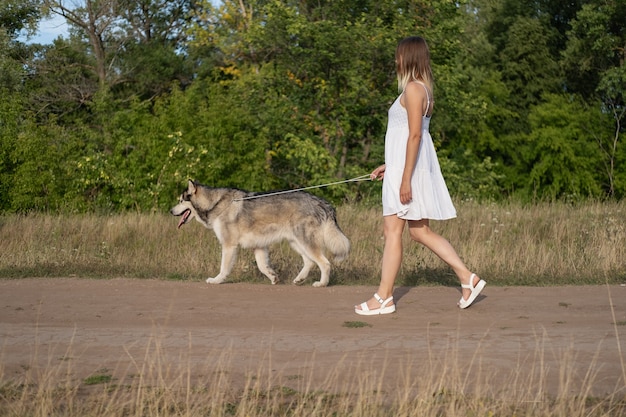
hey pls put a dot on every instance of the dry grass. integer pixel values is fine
(546, 244)
(153, 385)
(508, 244)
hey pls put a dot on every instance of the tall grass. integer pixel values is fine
(154, 385)
(507, 244)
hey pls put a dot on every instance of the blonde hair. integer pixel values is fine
(413, 62)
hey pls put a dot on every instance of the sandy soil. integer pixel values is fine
(515, 336)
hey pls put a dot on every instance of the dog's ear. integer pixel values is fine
(191, 187)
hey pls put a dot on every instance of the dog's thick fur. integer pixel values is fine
(308, 222)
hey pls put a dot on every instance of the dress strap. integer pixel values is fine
(427, 98)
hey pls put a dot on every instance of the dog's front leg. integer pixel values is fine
(229, 254)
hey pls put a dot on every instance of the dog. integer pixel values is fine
(257, 220)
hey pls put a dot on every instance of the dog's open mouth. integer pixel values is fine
(184, 217)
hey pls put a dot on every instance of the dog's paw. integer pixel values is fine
(298, 281)
(214, 280)
(318, 284)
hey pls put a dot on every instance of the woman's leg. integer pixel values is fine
(392, 258)
(421, 232)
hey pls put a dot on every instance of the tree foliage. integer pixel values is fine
(269, 94)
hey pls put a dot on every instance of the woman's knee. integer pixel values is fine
(393, 228)
(419, 232)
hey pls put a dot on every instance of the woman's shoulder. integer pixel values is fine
(419, 97)
(416, 89)
(419, 86)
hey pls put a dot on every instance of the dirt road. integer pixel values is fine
(559, 336)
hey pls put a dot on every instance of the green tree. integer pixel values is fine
(326, 67)
(11, 114)
(611, 89)
(135, 47)
(154, 53)
(560, 152)
(266, 94)
(528, 68)
(38, 180)
(62, 84)
(595, 66)
(596, 43)
(16, 16)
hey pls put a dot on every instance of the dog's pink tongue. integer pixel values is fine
(183, 218)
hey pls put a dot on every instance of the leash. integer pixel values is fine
(365, 177)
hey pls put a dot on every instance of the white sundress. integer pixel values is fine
(431, 199)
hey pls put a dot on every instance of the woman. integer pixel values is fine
(414, 190)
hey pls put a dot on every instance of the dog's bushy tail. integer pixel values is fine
(335, 241)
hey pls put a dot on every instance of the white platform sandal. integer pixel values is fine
(384, 307)
(475, 291)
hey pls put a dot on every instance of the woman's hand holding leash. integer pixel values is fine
(378, 173)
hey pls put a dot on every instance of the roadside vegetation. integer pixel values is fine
(156, 386)
(265, 94)
(508, 244)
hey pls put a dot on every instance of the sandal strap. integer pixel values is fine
(383, 303)
(471, 282)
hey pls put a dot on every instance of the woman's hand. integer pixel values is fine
(378, 173)
(406, 194)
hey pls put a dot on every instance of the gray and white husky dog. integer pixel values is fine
(257, 220)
